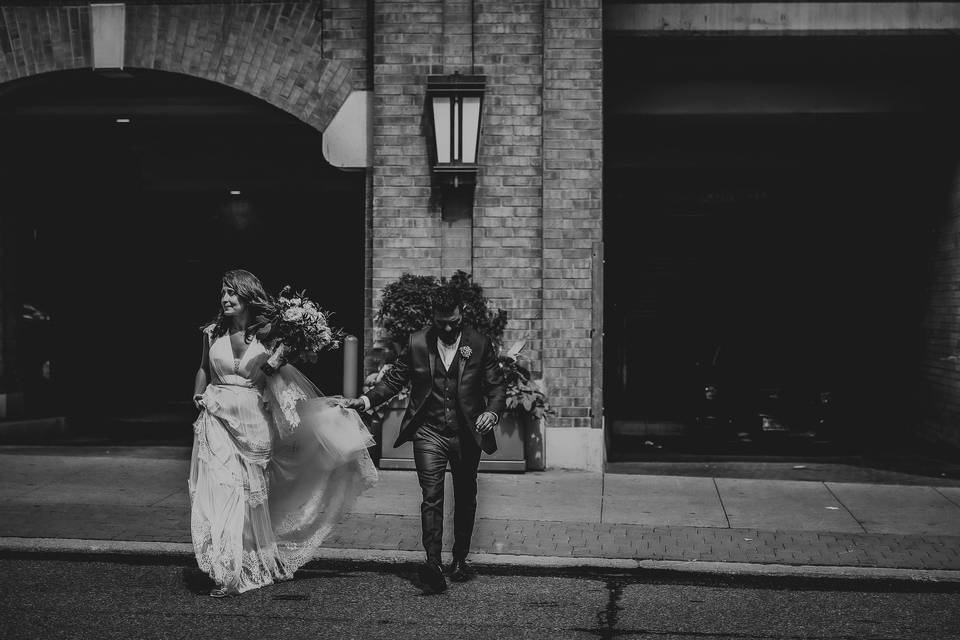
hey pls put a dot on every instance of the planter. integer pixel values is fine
(511, 435)
(395, 457)
(534, 445)
(509, 455)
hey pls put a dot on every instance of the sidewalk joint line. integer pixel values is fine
(172, 493)
(723, 507)
(845, 508)
(946, 497)
(603, 493)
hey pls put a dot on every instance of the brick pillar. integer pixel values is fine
(572, 218)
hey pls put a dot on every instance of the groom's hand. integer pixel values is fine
(486, 421)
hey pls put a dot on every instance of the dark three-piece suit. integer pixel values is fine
(441, 422)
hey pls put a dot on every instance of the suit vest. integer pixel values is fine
(441, 410)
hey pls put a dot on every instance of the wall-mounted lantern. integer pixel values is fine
(454, 105)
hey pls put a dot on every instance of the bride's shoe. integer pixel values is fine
(219, 592)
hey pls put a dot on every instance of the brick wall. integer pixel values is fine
(572, 201)
(344, 24)
(272, 50)
(406, 234)
(507, 244)
(41, 39)
(537, 206)
(940, 422)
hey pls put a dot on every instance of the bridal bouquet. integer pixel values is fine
(301, 329)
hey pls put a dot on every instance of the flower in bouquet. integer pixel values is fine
(301, 328)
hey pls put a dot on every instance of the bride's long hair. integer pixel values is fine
(251, 292)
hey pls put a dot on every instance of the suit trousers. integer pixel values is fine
(432, 451)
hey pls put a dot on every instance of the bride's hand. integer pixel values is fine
(276, 360)
(268, 369)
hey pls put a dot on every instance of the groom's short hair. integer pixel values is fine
(445, 300)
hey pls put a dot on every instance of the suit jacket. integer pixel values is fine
(479, 388)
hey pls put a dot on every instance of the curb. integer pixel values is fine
(691, 569)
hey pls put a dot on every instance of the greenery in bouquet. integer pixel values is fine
(302, 327)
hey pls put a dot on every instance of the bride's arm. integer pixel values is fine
(201, 379)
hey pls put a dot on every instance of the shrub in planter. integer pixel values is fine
(524, 395)
(405, 307)
(527, 403)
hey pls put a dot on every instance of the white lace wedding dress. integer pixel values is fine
(275, 466)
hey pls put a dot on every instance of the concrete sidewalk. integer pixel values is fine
(77, 498)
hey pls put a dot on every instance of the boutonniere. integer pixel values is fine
(466, 352)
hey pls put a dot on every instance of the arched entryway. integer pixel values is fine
(126, 195)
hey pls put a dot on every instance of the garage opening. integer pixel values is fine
(771, 205)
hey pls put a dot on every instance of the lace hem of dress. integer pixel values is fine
(295, 555)
(253, 568)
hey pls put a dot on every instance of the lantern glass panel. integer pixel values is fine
(471, 128)
(457, 133)
(442, 128)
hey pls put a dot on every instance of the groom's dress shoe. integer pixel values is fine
(460, 571)
(431, 575)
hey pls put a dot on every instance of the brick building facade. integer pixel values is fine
(536, 221)
(534, 240)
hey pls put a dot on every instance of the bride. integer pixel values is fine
(275, 465)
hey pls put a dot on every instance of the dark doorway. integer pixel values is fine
(768, 213)
(130, 193)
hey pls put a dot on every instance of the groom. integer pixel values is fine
(456, 400)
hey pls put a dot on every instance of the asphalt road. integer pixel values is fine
(93, 597)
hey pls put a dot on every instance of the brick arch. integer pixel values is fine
(273, 51)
